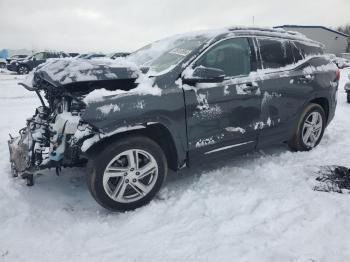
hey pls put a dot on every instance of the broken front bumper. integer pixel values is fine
(20, 152)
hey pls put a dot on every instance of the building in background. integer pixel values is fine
(335, 42)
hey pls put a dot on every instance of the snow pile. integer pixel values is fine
(257, 207)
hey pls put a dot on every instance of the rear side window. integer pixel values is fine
(308, 50)
(297, 52)
(52, 55)
(275, 53)
(233, 56)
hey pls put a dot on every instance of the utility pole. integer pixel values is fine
(253, 21)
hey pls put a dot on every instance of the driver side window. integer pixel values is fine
(39, 56)
(231, 55)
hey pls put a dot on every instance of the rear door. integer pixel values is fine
(222, 117)
(284, 89)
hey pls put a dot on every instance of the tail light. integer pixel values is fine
(337, 74)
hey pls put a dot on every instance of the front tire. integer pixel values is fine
(2, 65)
(23, 70)
(310, 129)
(348, 96)
(127, 174)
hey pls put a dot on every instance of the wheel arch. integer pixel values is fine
(157, 132)
(324, 103)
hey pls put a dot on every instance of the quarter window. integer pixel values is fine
(275, 53)
(309, 50)
(232, 56)
(297, 52)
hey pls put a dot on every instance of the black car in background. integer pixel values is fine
(26, 65)
(178, 102)
(90, 56)
(73, 54)
(16, 58)
(119, 54)
(347, 90)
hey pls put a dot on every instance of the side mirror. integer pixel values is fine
(33, 58)
(203, 74)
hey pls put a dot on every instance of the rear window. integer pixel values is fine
(275, 53)
(308, 50)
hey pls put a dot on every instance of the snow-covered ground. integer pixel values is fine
(258, 207)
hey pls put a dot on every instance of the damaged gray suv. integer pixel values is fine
(175, 103)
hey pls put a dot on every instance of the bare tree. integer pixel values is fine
(346, 30)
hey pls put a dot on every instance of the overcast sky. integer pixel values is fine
(116, 25)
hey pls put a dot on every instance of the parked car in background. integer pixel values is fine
(73, 54)
(119, 54)
(80, 56)
(347, 89)
(26, 65)
(90, 56)
(2, 63)
(204, 96)
(16, 57)
(340, 61)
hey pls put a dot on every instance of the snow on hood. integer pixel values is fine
(60, 72)
(65, 71)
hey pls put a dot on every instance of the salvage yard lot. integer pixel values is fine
(259, 207)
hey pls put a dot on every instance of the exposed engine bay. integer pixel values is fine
(52, 136)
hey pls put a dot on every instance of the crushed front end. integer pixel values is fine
(53, 136)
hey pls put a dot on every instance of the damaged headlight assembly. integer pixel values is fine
(48, 140)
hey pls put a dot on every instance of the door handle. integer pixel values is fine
(250, 87)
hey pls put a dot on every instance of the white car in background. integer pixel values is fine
(340, 61)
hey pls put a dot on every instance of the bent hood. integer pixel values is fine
(93, 80)
(59, 72)
(65, 71)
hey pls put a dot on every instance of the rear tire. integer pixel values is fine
(127, 174)
(348, 96)
(310, 129)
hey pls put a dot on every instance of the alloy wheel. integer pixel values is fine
(130, 176)
(312, 129)
(23, 70)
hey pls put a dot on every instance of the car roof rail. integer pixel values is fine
(296, 35)
(263, 29)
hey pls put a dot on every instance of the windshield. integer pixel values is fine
(167, 53)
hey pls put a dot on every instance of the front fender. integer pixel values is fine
(127, 112)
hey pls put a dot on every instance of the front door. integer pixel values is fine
(223, 117)
(38, 59)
